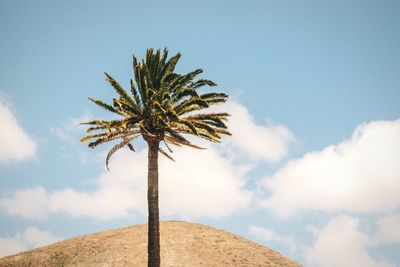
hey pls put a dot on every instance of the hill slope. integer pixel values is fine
(182, 244)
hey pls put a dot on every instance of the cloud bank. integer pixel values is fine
(268, 142)
(360, 175)
(271, 236)
(389, 229)
(16, 144)
(30, 238)
(199, 183)
(342, 243)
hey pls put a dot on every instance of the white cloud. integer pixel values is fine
(271, 236)
(389, 229)
(70, 131)
(359, 175)
(267, 142)
(37, 238)
(15, 143)
(205, 185)
(29, 203)
(30, 238)
(199, 183)
(341, 243)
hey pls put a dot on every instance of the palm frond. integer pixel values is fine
(169, 67)
(167, 146)
(111, 136)
(201, 133)
(171, 140)
(131, 147)
(223, 131)
(190, 109)
(105, 106)
(165, 154)
(184, 92)
(94, 122)
(202, 82)
(140, 82)
(178, 138)
(104, 140)
(194, 101)
(214, 119)
(214, 98)
(90, 137)
(135, 94)
(121, 91)
(213, 95)
(189, 125)
(115, 149)
(125, 108)
(210, 116)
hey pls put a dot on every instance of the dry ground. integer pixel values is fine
(182, 244)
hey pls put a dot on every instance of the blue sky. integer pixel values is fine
(315, 92)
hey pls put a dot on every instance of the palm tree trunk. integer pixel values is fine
(153, 248)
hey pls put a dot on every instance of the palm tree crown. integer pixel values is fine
(162, 106)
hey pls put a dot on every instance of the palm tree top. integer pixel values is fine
(162, 106)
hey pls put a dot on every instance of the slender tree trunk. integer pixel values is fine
(153, 248)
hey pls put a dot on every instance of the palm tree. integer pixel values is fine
(163, 107)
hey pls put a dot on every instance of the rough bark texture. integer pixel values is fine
(152, 201)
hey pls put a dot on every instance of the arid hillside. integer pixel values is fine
(182, 244)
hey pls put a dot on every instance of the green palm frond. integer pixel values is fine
(105, 106)
(190, 109)
(213, 119)
(121, 91)
(130, 146)
(102, 125)
(104, 140)
(125, 108)
(194, 101)
(162, 106)
(115, 149)
(135, 94)
(165, 154)
(202, 82)
(179, 139)
(189, 125)
(95, 122)
(202, 134)
(167, 146)
(140, 82)
(169, 67)
(184, 80)
(223, 131)
(210, 116)
(214, 98)
(184, 92)
(171, 140)
(90, 137)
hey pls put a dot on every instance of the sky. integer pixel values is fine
(312, 169)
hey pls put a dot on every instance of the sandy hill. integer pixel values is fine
(182, 244)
